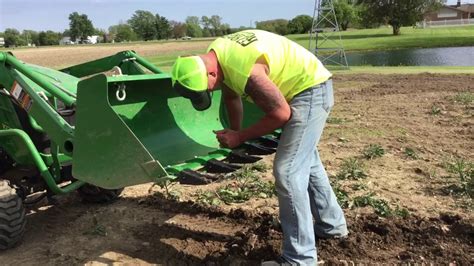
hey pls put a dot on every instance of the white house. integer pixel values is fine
(92, 39)
(2, 42)
(66, 41)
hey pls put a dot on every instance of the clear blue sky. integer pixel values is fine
(53, 14)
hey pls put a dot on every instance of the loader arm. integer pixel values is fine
(129, 62)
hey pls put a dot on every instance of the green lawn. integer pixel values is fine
(407, 70)
(382, 38)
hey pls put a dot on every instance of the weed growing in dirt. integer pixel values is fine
(435, 110)
(359, 186)
(464, 170)
(411, 153)
(335, 120)
(168, 192)
(247, 185)
(351, 169)
(465, 98)
(402, 212)
(96, 229)
(380, 206)
(341, 195)
(259, 167)
(207, 198)
(373, 151)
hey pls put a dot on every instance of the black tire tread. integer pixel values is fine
(12, 216)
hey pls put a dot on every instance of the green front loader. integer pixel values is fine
(98, 127)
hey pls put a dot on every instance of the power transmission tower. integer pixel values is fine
(325, 38)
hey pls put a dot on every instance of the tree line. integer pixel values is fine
(146, 26)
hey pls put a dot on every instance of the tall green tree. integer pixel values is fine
(193, 29)
(347, 13)
(144, 24)
(163, 27)
(122, 33)
(216, 25)
(279, 26)
(206, 26)
(49, 37)
(30, 37)
(178, 29)
(300, 24)
(80, 26)
(397, 13)
(225, 28)
(12, 37)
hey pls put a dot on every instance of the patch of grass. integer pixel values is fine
(351, 168)
(380, 206)
(464, 171)
(402, 212)
(465, 98)
(259, 167)
(247, 185)
(342, 196)
(373, 151)
(96, 229)
(383, 39)
(207, 198)
(359, 186)
(238, 194)
(167, 187)
(335, 120)
(435, 110)
(411, 153)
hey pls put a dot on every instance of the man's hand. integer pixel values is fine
(228, 138)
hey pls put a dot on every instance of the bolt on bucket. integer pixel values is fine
(133, 129)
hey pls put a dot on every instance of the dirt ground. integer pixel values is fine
(425, 113)
(64, 56)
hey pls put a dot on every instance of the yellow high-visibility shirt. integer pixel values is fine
(292, 67)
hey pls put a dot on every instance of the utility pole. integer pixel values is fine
(325, 38)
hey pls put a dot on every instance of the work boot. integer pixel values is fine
(278, 262)
(340, 237)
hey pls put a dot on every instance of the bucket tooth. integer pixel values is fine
(215, 166)
(242, 157)
(190, 177)
(268, 142)
(277, 133)
(257, 149)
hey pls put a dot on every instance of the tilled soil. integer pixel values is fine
(395, 111)
(64, 56)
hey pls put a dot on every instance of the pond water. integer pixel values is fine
(448, 56)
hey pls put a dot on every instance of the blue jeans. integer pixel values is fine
(302, 184)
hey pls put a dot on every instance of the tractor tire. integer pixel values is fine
(12, 216)
(92, 194)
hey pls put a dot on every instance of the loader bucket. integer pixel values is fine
(132, 129)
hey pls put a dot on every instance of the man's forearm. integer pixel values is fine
(264, 126)
(234, 111)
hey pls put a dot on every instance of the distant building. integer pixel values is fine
(92, 39)
(2, 42)
(453, 12)
(469, 8)
(66, 41)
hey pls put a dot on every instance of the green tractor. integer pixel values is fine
(98, 127)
